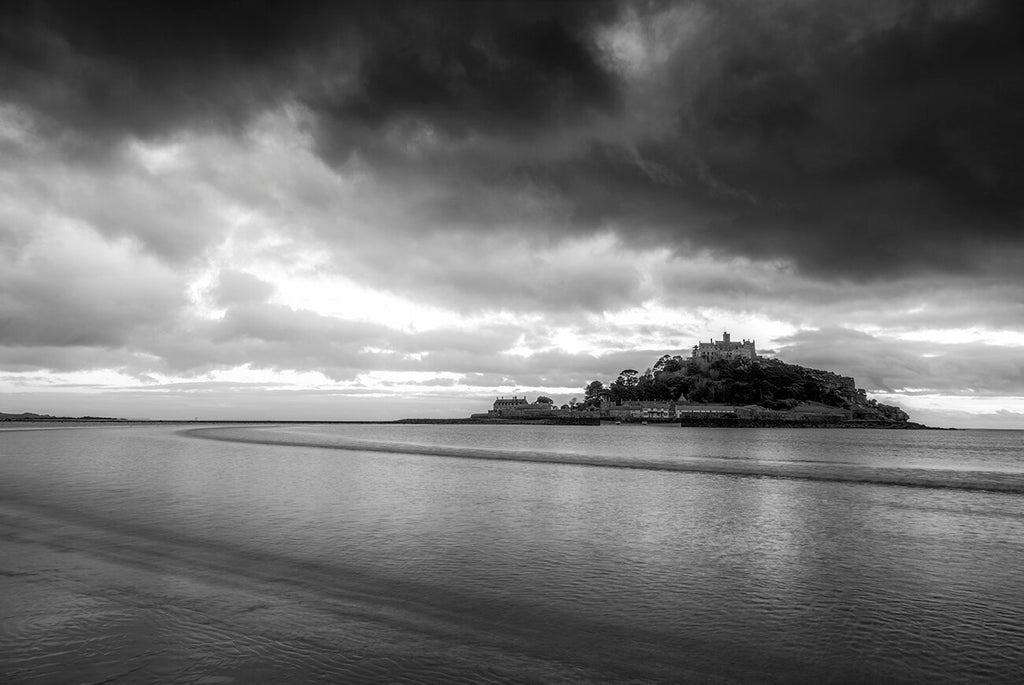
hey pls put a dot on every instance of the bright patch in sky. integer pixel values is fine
(964, 336)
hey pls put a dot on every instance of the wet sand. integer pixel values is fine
(141, 554)
(112, 603)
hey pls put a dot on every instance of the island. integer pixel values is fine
(721, 383)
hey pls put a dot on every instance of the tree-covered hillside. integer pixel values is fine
(769, 383)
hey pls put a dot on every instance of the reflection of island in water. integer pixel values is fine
(721, 383)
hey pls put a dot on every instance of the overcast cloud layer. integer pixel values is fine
(286, 210)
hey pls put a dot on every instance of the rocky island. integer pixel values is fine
(721, 383)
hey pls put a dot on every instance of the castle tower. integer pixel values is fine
(725, 348)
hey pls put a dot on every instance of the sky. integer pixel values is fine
(346, 211)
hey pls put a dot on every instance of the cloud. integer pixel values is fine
(147, 70)
(240, 288)
(885, 364)
(97, 74)
(70, 288)
(514, 196)
(935, 411)
(855, 141)
(851, 139)
(484, 69)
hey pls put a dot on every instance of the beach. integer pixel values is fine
(509, 554)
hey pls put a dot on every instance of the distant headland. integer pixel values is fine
(31, 417)
(721, 383)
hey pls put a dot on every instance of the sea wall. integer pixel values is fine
(795, 421)
(550, 420)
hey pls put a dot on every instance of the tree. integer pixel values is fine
(543, 399)
(628, 378)
(592, 393)
(659, 365)
(624, 387)
(674, 365)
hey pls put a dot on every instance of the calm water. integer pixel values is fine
(510, 553)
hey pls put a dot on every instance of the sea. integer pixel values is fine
(360, 553)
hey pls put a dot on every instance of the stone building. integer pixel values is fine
(726, 348)
(520, 408)
(507, 403)
(639, 410)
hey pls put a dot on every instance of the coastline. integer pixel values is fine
(728, 422)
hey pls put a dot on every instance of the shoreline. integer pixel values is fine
(41, 423)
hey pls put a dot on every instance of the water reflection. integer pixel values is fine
(137, 548)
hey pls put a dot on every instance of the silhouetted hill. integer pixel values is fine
(29, 416)
(767, 383)
(25, 416)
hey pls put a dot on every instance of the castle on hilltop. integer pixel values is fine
(707, 352)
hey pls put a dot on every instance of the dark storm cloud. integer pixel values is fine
(105, 69)
(852, 139)
(855, 140)
(469, 67)
(147, 68)
(894, 150)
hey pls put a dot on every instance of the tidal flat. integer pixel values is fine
(489, 553)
